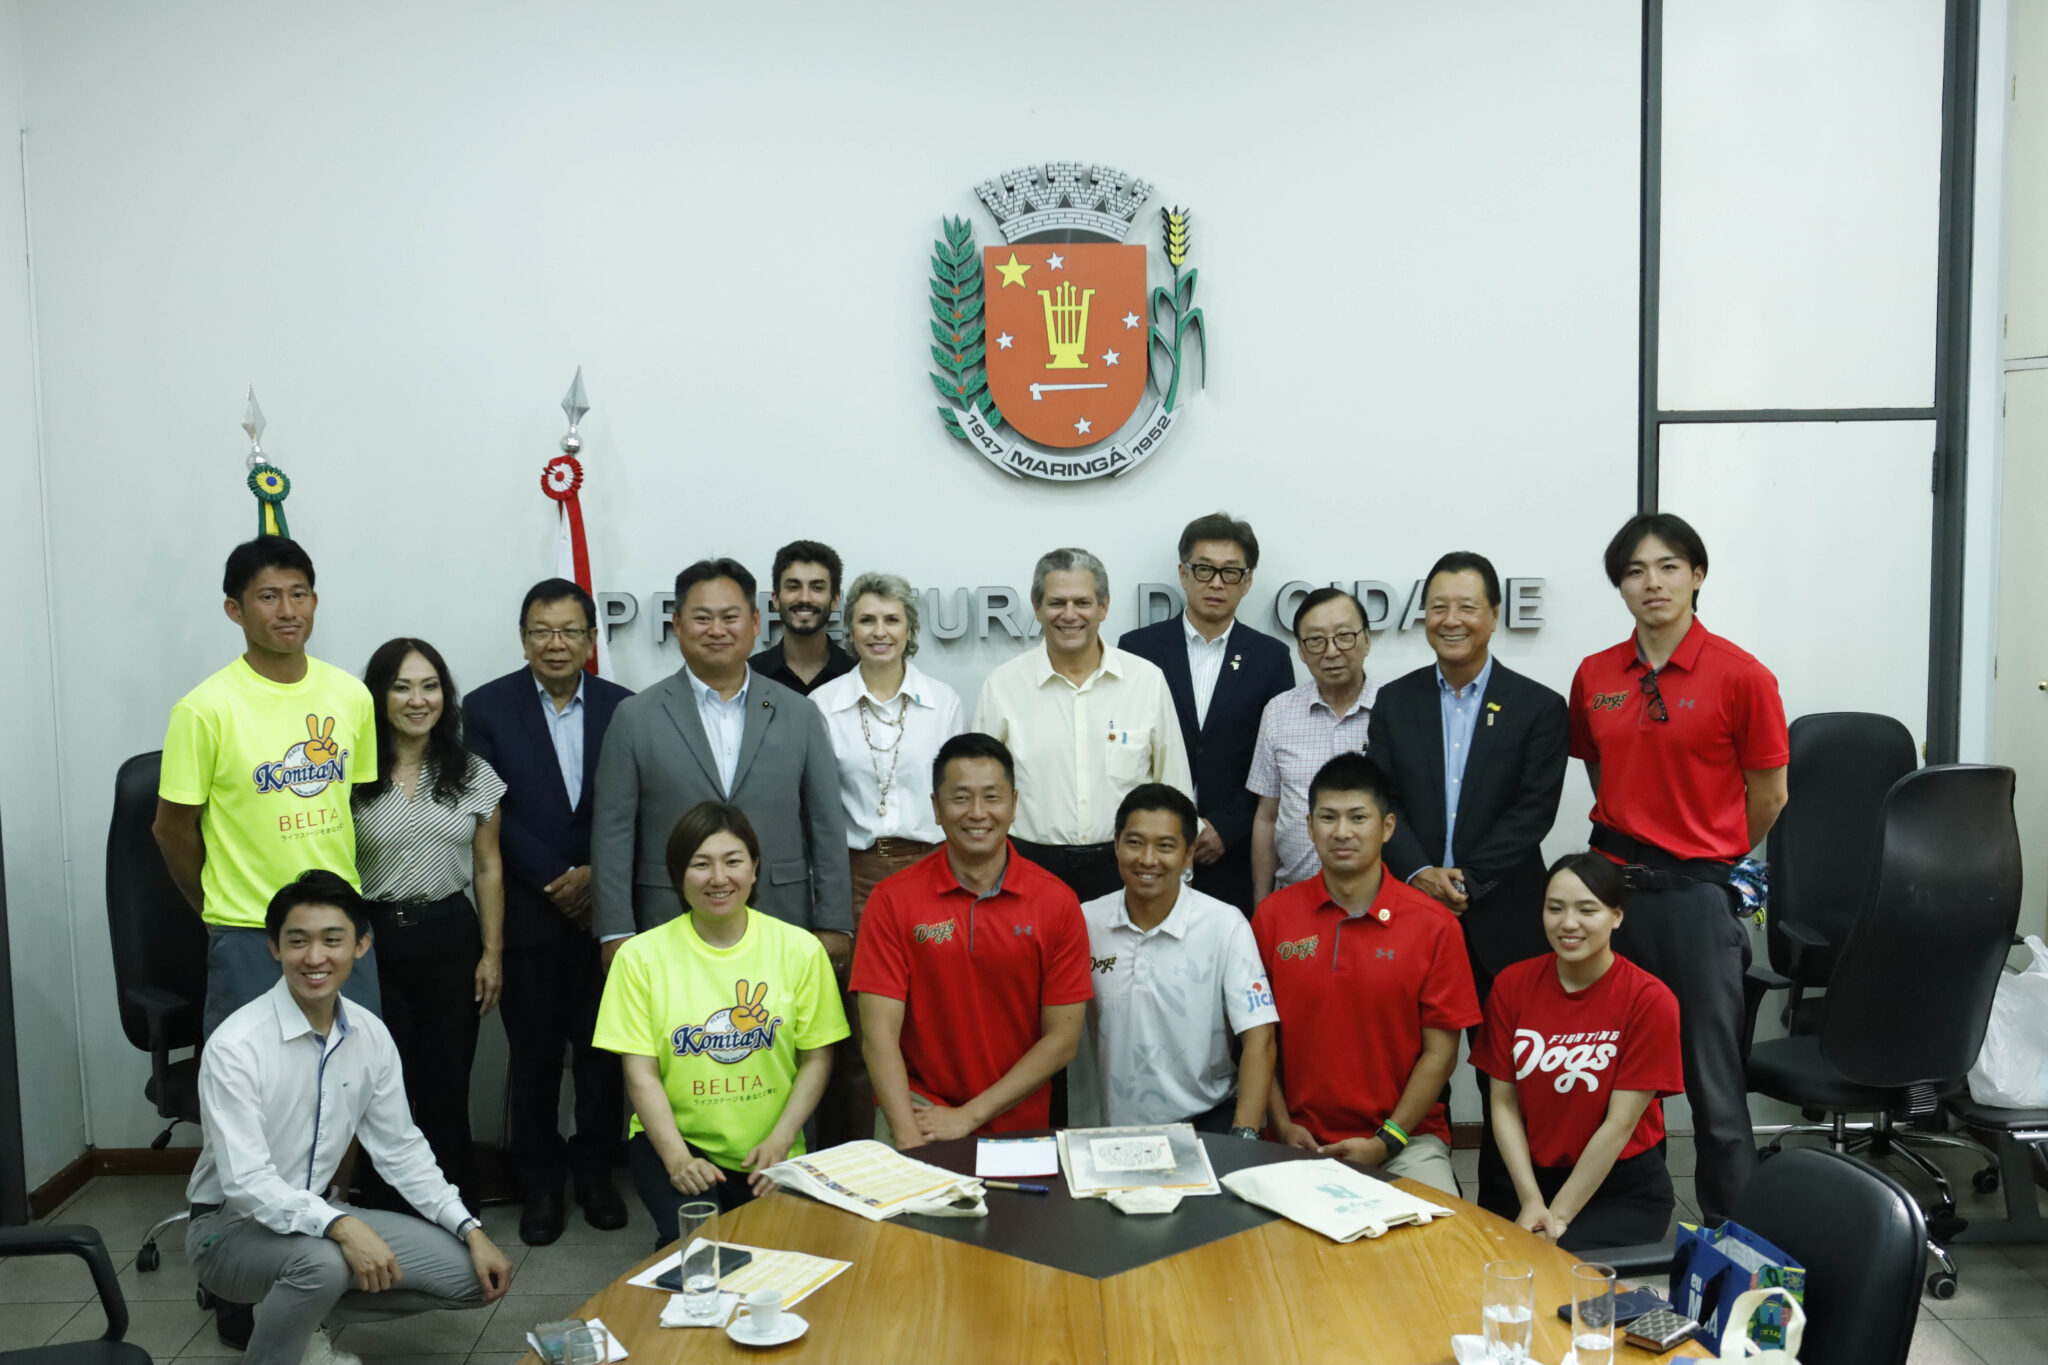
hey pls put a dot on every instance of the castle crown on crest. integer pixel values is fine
(1064, 196)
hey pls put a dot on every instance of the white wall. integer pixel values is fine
(38, 916)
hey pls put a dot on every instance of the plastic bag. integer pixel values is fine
(1736, 1343)
(2012, 1070)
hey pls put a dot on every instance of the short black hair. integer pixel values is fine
(705, 570)
(1674, 530)
(1318, 598)
(1465, 561)
(1353, 772)
(316, 886)
(806, 552)
(1159, 796)
(550, 590)
(252, 557)
(1220, 526)
(1600, 874)
(699, 823)
(973, 744)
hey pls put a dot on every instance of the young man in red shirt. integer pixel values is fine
(1683, 737)
(971, 967)
(1372, 984)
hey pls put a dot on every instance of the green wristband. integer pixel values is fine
(1390, 1129)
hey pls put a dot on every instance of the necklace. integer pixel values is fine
(884, 782)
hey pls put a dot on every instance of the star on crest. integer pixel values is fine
(1109, 357)
(1130, 320)
(1004, 341)
(1055, 261)
(1082, 426)
(1013, 273)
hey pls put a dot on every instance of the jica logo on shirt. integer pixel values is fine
(1571, 1057)
(732, 1034)
(1258, 996)
(308, 766)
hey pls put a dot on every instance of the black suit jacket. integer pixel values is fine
(1507, 800)
(1256, 669)
(540, 837)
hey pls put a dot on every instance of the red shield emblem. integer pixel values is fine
(1066, 337)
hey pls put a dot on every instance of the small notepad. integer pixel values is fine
(1008, 1158)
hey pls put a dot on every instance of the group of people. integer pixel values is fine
(795, 895)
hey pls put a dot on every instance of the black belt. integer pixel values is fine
(408, 914)
(1646, 867)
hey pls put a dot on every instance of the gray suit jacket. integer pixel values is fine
(657, 764)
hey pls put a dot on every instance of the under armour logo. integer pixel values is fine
(1020, 929)
(1387, 953)
(1686, 703)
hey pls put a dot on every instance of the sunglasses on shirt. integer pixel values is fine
(1657, 710)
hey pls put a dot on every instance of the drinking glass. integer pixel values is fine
(1508, 1309)
(586, 1345)
(1593, 1314)
(697, 1222)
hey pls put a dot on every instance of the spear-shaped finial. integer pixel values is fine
(575, 404)
(253, 423)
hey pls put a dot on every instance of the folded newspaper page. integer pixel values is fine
(1332, 1198)
(876, 1181)
(1099, 1162)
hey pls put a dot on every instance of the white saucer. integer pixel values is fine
(742, 1330)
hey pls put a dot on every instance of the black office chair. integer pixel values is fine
(71, 1239)
(159, 962)
(1823, 849)
(1911, 991)
(1860, 1237)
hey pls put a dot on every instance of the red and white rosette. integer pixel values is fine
(560, 479)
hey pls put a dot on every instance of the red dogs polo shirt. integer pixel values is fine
(1354, 994)
(972, 974)
(1677, 783)
(1567, 1052)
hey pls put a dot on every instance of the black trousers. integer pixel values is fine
(663, 1200)
(1689, 939)
(550, 1003)
(429, 982)
(1228, 879)
(1088, 869)
(1632, 1207)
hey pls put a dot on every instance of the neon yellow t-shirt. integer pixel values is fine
(273, 764)
(724, 1025)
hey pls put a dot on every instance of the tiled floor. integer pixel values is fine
(1999, 1317)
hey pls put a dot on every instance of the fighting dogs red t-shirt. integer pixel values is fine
(1567, 1052)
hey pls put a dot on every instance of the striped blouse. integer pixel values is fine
(417, 848)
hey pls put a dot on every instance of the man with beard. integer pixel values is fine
(805, 594)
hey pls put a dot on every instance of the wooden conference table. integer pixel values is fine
(1274, 1292)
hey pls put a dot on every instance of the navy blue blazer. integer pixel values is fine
(539, 836)
(1256, 669)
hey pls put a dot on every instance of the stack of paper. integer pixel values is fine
(876, 1181)
(1329, 1197)
(1099, 1162)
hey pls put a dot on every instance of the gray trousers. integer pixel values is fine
(298, 1281)
(239, 968)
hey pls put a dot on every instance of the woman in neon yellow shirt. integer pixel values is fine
(725, 1020)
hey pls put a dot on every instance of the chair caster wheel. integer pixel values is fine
(1941, 1285)
(149, 1258)
(1985, 1181)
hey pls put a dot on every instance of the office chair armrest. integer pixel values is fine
(75, 1239)
(1801, 941)
(1637, 1261)
(162, 1009)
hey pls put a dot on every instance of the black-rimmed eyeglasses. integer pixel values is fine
(1205, 572)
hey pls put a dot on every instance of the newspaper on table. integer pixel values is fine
(876, 1181)
(1332, 1198)
(1099, 1162)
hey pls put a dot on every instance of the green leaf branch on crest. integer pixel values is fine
(1177, 302)
(957, 326)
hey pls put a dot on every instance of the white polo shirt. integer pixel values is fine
(1157, 1046)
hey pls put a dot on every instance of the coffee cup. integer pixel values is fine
(763, 1308)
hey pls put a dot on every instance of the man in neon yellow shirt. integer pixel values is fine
(725, 1020)
(258, 763)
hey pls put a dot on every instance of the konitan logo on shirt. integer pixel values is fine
(308, 766)
(942, 932)
(1299, 947)
(734, 1033)
(1571, 1057)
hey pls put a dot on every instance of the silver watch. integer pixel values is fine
(1248, 1134)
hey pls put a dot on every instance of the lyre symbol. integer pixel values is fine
(1066, 326)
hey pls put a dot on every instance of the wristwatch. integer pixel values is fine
(1248, 1134)
(462, 1229)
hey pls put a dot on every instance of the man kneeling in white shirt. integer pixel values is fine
(284, 1084)
(1176, 972)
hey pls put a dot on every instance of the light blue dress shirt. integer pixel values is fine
(1461, 719)
(725, 724)
(565, 728)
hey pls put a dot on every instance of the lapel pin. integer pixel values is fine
(1234, 659)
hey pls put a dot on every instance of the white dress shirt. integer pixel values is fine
(725, 723)
(1167, 1000)
(1205, 665)
(931, 715)
(278, 1105)
(1079, 750)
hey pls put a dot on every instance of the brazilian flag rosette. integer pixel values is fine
(271, 487)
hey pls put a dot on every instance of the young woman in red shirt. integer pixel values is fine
(1580, 1046)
